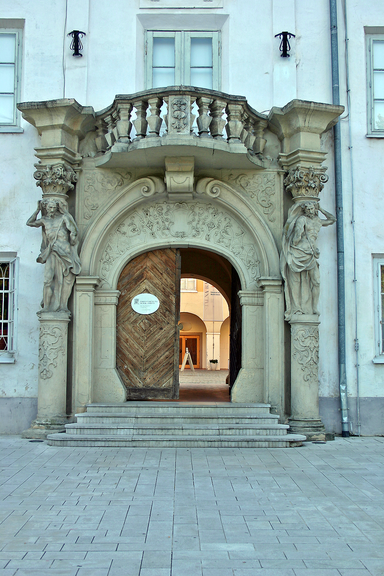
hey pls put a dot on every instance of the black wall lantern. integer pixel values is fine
(76, 44)
(284, 44)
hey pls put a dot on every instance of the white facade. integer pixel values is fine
(114, 62)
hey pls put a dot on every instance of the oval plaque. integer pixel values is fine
(145, 303)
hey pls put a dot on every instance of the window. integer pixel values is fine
(188, 285)
(8, 272)
(379, 308)
(183, 58)
(9, 79)
(375, 53)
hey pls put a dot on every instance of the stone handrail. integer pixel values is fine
(179, 112)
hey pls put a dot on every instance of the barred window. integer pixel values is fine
(8, 308)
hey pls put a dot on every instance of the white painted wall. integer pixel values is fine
(113, 63)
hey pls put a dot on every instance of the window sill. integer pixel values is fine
(378, 360)
(11, 130)
(373, 135)
(7, 359)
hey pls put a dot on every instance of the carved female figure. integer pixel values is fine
(299, 257)
(59, 252)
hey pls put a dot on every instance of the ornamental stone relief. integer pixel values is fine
(52, 342)
(305, 340)
(305, 182)
(261, 188)
(100, 185)
(55, 179)
(196, 222)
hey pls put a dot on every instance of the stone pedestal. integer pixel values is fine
(305, 418)
(52, 383)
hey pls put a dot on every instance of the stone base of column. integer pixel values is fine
(40, 429)
(313, 429)
(52, 390)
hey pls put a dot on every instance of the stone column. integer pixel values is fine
(274, 392)
(107, 386)
(52, 375)
(82, 341)
(299, 126)
(249, 384)
(305, 418)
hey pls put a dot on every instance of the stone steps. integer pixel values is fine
(177, 425)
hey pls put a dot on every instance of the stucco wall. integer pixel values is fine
(113, 62)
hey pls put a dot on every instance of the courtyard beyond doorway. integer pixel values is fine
(203, 386)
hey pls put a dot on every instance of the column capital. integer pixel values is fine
(55, 180)
(107, 297)
(251, 297)
(61, 124)
(268, 284)
(300, 124)
(86, 283)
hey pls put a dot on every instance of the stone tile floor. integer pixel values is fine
(313, 510)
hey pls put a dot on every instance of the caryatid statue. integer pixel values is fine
(299, 257)
(59, 252)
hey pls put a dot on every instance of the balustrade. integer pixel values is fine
(183, 113)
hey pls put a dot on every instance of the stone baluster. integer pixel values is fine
(234, 125)
(140, 123)
(259, 141)
(203, 120)
(218, 122)
(192, 116)
(110, 137)
(101, 131)
(248, 135)
(123, 124)
(154, 120)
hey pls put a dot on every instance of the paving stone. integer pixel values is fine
(316, 510)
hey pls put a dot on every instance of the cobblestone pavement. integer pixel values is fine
(313, 510)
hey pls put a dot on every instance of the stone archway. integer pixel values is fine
(226, 225)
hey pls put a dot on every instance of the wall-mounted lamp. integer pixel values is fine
(76, 44)
(284, 44)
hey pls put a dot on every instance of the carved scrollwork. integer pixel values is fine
(151, 186)
(55, 179)
(305, 182)
(260, 188)
(99, 183)
(51, 345)
(306, 350)
(209, 186)
(197, 221)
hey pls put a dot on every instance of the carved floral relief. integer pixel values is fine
(305, 341)
(98, 185)
(261, 188)
(52, 343)
(196, 221)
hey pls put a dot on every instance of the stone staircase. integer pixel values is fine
(177, 425)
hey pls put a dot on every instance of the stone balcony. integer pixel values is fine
(141, 129)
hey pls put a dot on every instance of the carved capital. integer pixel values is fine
(305, 182)
(56, 179)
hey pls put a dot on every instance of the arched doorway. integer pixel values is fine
(148, 342)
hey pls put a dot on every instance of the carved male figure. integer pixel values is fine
(59, 252)
(299, 257)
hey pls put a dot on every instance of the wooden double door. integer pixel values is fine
(147, 345)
